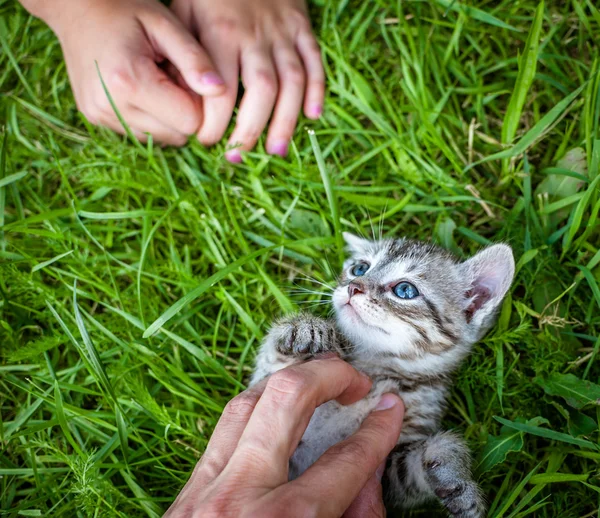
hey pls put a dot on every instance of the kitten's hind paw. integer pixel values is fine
(460, 496)
(446, 464)
(462, 500)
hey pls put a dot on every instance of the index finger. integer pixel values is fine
(286, 406)
(167, 102)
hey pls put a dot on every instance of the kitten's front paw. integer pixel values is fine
(305, 335)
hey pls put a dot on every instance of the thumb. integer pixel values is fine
(369, 502)
(172, 40)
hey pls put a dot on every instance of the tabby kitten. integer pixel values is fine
(407, 313)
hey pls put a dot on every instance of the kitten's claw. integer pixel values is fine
(462, 498)
(466, 503)
(305, 335)
(446, 464)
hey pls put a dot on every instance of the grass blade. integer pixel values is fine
(546, 433)
(525, 77)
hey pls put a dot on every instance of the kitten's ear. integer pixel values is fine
(489, 274)
(355, 244)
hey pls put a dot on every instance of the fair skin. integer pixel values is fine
(175, 73)
(244, 470)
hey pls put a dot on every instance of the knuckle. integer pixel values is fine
(209, 466)
(267, 82)
(313, 47)
(293, 73)
(300, 20)
(288, 383)
(226, 26)
(119, 81)
(241, 406)
(160, 23)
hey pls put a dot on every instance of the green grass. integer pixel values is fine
(430, 131)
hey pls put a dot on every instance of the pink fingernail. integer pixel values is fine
(278, 147)
(212, 78)
(234, 156)
(315, 110)
(386, 402)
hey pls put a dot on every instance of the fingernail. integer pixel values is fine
(315, 110)
(212, 78)
(386, 402)
(278, 147)
(380, 471)
(234, 156)
(326, 356)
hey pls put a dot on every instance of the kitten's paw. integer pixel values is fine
(461, 497)
(465, 501)
(305, 335)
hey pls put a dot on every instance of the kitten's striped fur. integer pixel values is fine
(410, 347)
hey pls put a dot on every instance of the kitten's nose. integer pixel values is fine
(354, 289)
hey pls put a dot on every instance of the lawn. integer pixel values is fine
(136, 282)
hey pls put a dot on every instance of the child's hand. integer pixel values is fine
(271, 45)
(129, 39)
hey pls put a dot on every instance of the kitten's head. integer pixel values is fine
(413, 299)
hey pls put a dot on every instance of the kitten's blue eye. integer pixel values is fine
(359, 269)
(405, 290)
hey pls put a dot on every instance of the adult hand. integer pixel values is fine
(244, 471)
(271, 45)
(128, 40)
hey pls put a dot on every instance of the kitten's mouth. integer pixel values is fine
(348, 306)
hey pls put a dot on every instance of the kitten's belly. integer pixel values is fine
(332, 423)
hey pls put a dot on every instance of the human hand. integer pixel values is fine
(244, 470)
(270, 43)
(128, 40)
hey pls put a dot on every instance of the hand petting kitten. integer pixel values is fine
(244, 471)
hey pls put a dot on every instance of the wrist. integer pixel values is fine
(57, 13)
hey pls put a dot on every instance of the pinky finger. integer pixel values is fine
(309, 50)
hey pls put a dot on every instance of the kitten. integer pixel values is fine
(407, 314)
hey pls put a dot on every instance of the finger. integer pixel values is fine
(223, 442)
(287, 404)
(161, 133)
(141, 124)
(217, 111)
(309, 50)
(260, 82)
(168, 103)
(353, 461)
(172, 40)
(369, 502)
(289, 101)
(228, 431)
